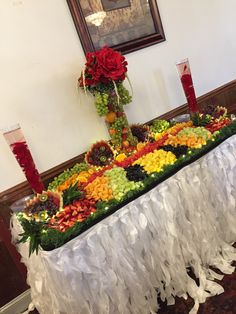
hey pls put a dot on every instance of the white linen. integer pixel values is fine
(120, 264)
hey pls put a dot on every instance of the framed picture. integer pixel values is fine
(124, 25)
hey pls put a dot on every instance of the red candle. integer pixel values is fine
(20, 149)
(187, 83)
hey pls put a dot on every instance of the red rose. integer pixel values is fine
(91, 75)
(103, 66)
(111, 64)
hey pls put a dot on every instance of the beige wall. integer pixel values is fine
(41, 58)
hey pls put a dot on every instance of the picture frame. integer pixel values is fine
(124, 25)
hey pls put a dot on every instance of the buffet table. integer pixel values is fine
(122, 263)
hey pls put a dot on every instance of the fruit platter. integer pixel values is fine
(109, 178)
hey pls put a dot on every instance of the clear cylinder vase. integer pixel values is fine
(16, 140)
(187, 83)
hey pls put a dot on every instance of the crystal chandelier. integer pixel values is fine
(96, 18)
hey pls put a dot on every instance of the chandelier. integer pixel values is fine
(96, 18)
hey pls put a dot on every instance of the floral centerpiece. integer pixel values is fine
(103, 76)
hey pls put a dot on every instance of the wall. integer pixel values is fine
(41, 58)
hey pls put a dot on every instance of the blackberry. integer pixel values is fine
(135, 173)
(177, 151)
(140, 132)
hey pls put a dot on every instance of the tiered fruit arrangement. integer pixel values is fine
(108, 178)
(103, 76)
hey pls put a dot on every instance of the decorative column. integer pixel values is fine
(103, 76)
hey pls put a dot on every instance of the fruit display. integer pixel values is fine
(107, 178)
(113, 173)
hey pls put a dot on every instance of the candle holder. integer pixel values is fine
(16, 140)
(187, 83)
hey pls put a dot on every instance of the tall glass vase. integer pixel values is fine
(16, 140)
(187, 83)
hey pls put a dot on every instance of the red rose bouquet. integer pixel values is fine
(103, 76)
(102, 69)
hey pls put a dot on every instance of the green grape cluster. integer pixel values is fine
(132, 139)
(125, 97)
(159, 126)
(120, 123)
(199, 132)
(119, 183)
(101, 103)
(67, 174)
(116, 139)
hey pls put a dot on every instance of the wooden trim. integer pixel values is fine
(19, 304)
(226, 94)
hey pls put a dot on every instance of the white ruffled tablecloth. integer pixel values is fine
(123, 262)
